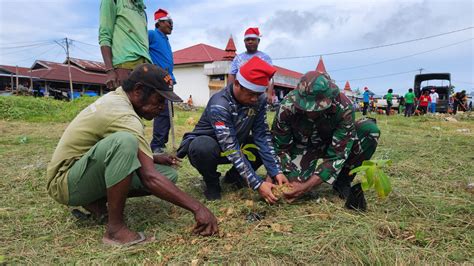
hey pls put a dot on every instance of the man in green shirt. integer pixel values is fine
(389, 98)
(123, 38)
(409, 102)
(103, 157)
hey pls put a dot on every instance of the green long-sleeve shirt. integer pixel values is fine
(123, 27)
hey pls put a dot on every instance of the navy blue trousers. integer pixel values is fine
(161, 129)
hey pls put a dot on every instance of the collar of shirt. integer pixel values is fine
(161, 34)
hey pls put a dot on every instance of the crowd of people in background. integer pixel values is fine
(409, 104)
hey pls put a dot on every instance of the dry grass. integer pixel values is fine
(427, 219)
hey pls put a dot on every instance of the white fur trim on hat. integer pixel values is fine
(163, 18)
(251, 36)
(249, 85)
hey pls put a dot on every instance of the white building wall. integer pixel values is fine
(191, 80)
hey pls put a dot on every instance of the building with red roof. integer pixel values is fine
(200, 70)
(86, 75)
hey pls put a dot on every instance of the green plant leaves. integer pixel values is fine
(385, 185)
(372, 175)
(250, 156)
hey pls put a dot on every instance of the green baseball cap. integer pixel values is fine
(316, 91)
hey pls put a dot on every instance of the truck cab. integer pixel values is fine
(444, 91)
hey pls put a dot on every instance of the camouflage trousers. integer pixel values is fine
(305, 159)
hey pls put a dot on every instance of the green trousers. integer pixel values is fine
(107, 163)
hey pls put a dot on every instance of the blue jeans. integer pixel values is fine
(432, 108)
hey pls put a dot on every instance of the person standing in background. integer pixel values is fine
(251, 40)
(409, 102)
(162, 56)
(123, 38)
(389, 98)
(434, 99)
(424, 100)
(366, 99)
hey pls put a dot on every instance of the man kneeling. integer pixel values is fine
(317, 121)
(103, 157)
(232, 126)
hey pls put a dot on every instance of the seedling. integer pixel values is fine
(373, 176)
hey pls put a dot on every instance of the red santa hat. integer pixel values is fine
(161, 14)
(252, 33)
(255, 74)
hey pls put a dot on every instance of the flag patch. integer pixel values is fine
(219, 125)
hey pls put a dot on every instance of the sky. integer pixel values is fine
(294, 34)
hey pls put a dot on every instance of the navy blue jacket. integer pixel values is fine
(230, 123)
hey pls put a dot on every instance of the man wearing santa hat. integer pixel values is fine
(251, 40)
(233, 129)
(162, 56)
(123, 38)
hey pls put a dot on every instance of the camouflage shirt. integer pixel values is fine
(230, 123)
(332, 132)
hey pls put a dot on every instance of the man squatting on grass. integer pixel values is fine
(315, 121)
(103, 157)
(234, 117)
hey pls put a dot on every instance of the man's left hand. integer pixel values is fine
(297, 190)
(166, 159)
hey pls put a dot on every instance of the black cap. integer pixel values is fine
(157, 78)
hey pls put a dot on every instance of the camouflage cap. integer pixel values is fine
(316, 91)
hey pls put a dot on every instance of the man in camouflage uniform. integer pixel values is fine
(317, 121)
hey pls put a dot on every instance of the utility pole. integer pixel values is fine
(66, 49)
(31, 80)
(16, 70)
(421, 69)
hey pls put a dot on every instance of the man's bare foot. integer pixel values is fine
(121, 234)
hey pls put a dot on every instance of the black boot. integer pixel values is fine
(233, 177)
(356, 199)
(213, 192)
(342, 190)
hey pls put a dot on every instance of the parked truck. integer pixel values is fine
(444, 91)
(382, 103)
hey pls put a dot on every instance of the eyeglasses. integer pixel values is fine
(170, 21)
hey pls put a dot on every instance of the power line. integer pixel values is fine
(37, 55)
(26, 49)
(2, 43)
(402, 57)
(85, 43)
(385, 75)
(29, 45)
(84, 51)
(373, 47)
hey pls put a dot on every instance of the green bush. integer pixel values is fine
(41, 109)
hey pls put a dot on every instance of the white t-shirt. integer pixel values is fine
(434, 97)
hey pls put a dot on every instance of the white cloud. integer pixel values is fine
(289, 29)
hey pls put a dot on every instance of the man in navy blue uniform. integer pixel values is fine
(162, 56)
(233, 129)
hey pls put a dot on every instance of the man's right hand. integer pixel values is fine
(265, 191)
(206, 222)
(112, 79)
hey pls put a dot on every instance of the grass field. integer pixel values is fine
(427, 219)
